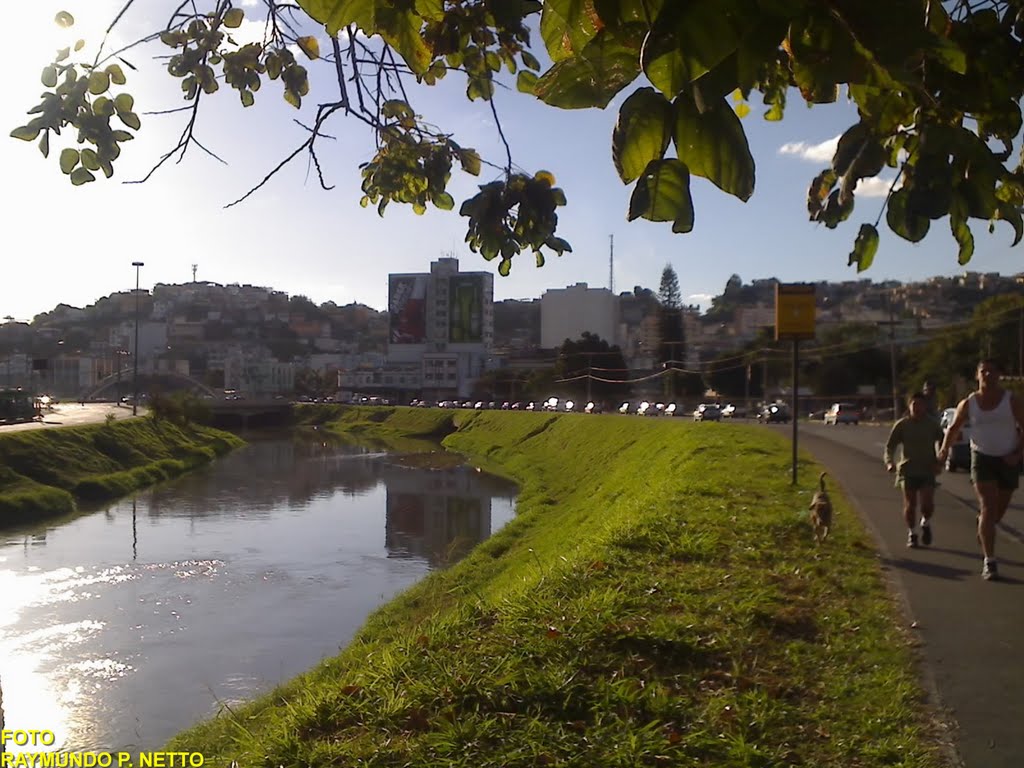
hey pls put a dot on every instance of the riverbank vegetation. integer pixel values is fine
(657, 601)
(47, 472)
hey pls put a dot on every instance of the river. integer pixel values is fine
(121, 627)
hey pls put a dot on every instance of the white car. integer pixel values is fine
(842, 413)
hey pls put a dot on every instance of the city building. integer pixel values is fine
(441, 326)
(566, 313)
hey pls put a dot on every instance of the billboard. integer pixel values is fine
(407, 307)
(466, 309)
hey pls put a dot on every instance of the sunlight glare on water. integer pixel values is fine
(123, 626)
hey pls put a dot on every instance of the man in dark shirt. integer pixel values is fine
(918, 434)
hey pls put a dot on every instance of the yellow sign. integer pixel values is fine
(795, 312)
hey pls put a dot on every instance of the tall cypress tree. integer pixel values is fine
(671, 335)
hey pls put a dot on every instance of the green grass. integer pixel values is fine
(45, 472)
(657, 601)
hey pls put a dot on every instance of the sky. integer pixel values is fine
(63, 244)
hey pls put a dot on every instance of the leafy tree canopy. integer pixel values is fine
(937, 86)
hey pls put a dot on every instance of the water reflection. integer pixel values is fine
(121, 627)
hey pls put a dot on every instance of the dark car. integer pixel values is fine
(774, 413)
(707, 412)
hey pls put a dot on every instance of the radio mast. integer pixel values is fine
(611, 263)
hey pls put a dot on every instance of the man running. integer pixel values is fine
(997, 437)
(917, 434)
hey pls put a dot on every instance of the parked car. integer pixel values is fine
(733, 411)
(707, 412)
(960, 452)
(842, 413)
(774, 413)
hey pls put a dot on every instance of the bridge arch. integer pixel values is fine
(128, 375)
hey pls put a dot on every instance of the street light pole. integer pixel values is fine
(135, 373)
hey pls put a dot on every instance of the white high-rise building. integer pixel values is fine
(566, 313)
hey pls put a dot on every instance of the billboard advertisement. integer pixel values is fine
(466, 309)
(407, 307)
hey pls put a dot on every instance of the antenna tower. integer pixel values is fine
(611, 263)
(194, 268)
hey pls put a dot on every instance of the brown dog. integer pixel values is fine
(821, 511)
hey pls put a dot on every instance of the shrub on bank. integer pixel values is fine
(44, 471)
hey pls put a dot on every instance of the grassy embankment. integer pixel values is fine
(48, 472)
(657, 601)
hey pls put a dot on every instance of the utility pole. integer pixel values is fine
(135, 374)
(589, 373)
(892, 357)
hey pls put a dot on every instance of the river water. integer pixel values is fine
(121, 627)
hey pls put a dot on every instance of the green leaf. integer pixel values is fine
(102, 106)
(68, 160)
(25, 133)
(444, 201)
(292, 98)
(530, 61)
(961, 232)
(49, 76)
(591, 79)
(865, 247)
(479, 88)
(663, 194)
(116, 74)
(950, 54)
(123, 102)
(526, 82)
(687, 40)
(64, 19)
(504, 267)
(1012, 215)
(470, 161)
(336, 14)
(233, 18)
(247, 98)
(79, 45)
(309, 46)
(714, 145)
(130, 119)
(567, 27)
(90, 160)
(81, 176)
(432, 10)
(401, 30)
(907, 225)
(99, 82)
(396, 108)
(642, 133)
(44, 144)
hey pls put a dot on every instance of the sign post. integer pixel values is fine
(794, 320)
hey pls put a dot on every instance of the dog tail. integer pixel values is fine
(821, 480)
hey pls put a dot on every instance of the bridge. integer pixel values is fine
(245, 412)
(169, 380)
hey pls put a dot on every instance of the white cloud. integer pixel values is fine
(250, 3)
(699, 298)
(874, 187)
(817, 152)
(250, 31)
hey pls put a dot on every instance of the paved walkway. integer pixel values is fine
(971, 631)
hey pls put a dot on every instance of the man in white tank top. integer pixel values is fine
(997, 438)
